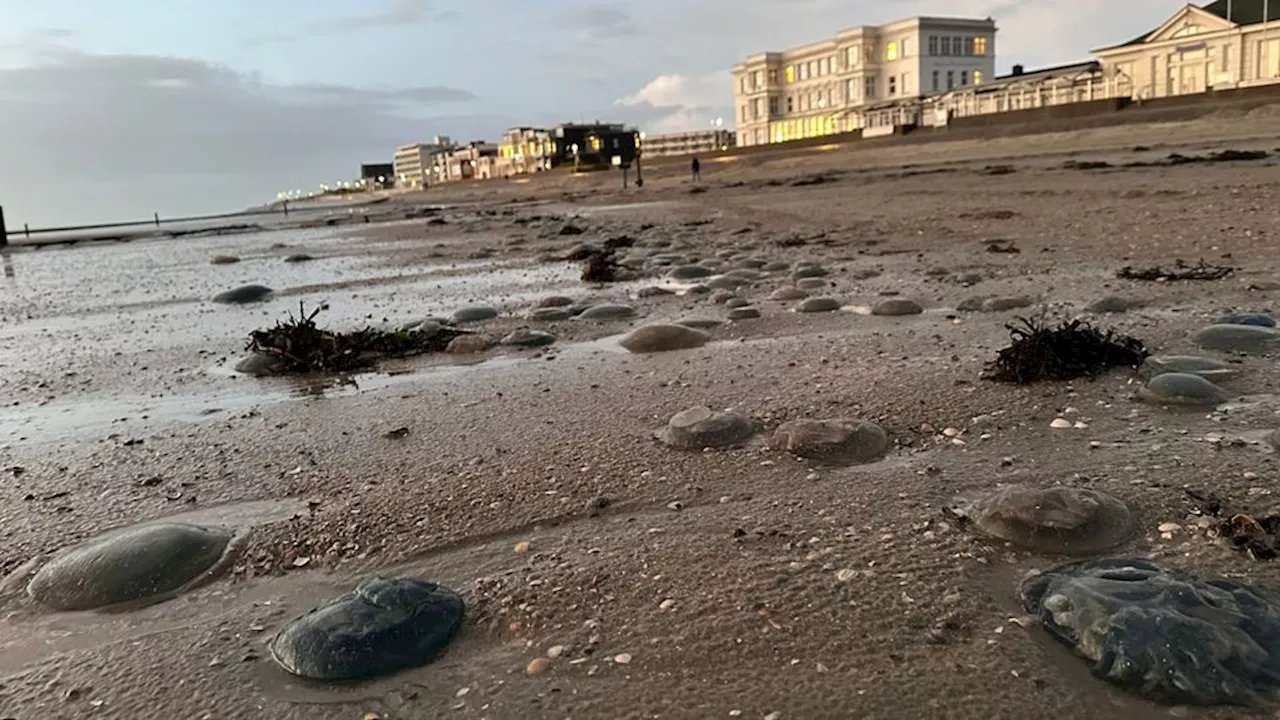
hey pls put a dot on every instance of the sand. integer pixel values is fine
(674, 584)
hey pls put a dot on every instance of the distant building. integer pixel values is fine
(525, 150)
(858, 79)
(474, 161)
(529, 149)
(1224, 44)
(378, 175)
(416, 165)
(688, 143)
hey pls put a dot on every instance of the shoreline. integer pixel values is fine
(741, 582)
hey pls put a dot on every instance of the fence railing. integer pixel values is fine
(283, 210)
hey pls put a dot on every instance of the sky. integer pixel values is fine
(110, 111)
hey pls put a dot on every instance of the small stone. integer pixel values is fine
(744, 313)
(608, 312)
(555, 651)
(550, 314)
(1169, 527)
(819, 305)
(1003, 304)
(896, 307)
(836, 441)
(622, 659)
(788, 294)
(244, 294)
(846, 575)
(522, 546)
(1112, 304)
(468, 345)
(663, 338)
(809, 284)
(473, 314)
(666, 604)
(554, 301)
(537, 666)
(224, 259)
(1060, 423)
(528, 338)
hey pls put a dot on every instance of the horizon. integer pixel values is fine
(208, 108)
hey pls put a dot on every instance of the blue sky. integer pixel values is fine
(117, 109)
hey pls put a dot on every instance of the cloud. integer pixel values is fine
(600, 21)
(181, 135)
(670, 103)
(397, 13)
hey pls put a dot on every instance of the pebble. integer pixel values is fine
(622, 659)
(537, 665)
(522, 546)
(473, 313)
(787, 294)
(468, 345)
(897, 306)
(1060, 423)
(744, 313)
(819, 304)
(528, 338)
(662, 338)
(666, 604)
(555, 651)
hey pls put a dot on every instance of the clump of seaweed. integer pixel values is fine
(1067, 351)
(304, 347)
(1258, 536)
(1180, 271)
(601, 266)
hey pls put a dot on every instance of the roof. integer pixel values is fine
(1069, 69)
(1243, 12)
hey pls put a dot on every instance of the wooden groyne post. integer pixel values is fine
(4, 232)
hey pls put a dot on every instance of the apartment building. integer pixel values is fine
(689, 143)
(856, 79)
(416, 165)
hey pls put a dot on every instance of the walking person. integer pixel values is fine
(697, 170)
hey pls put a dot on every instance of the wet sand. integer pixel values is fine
(739, 583)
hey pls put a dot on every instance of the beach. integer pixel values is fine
(739, 582)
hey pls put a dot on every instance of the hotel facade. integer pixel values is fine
(913, 73)
(856, 79)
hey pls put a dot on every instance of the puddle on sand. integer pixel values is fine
(138, 414)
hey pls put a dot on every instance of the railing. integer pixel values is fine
(283, 210)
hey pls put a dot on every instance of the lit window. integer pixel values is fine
(791, 73)
(979, 46)
(891, 51)
(977, 77)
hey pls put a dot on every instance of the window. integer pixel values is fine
(891, 52)
(742, 114)
(755, 108)
(813, 69)
(935, 80)
(933, 44)
(791, 73)
(742, 85)
(977, 77)
(964, 77)
(773, 77)
(906, 83)
(850, 91)
(822, 98)
(755, 80)
(980, 46)
(851, 56)
(804, 71)
(791, 104)
(968, 46)
(951, 79)
(869, 89)
(957, 46)
(773, 106)
(906, 47)
(946, 46)
(893, 85)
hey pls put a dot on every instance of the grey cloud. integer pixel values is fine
(155, 124)
(397, 13)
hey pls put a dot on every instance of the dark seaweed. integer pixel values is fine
(1068, 351)
(306, 348)
(1258, 536)
(1180, 271)
(601, 266)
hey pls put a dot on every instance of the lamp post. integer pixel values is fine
(639, 152)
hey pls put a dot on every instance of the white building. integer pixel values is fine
(414, 163)
(845, 83)
(689, 143)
